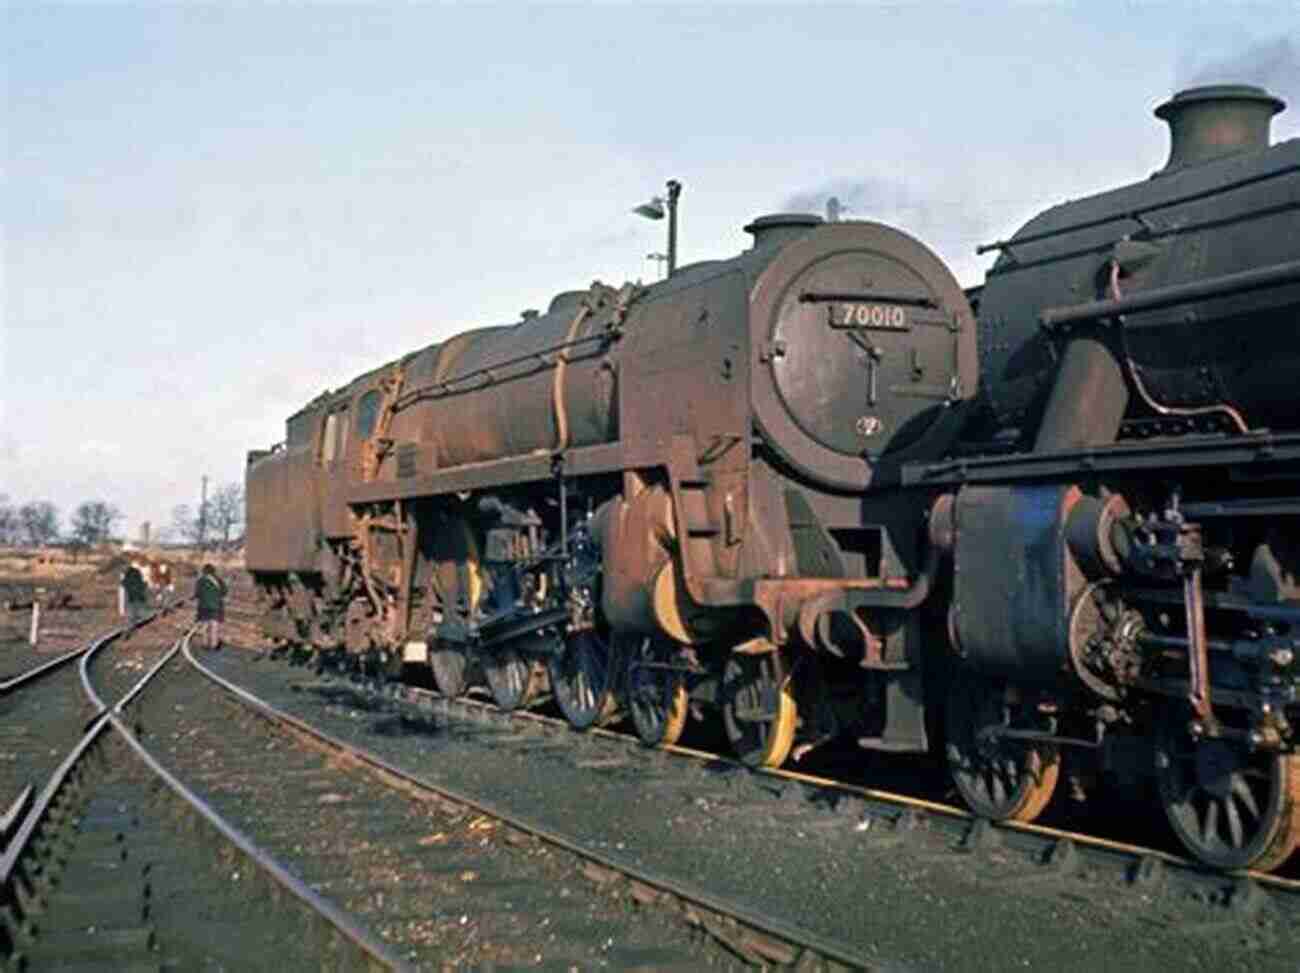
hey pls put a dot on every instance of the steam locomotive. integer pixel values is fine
(819, 488)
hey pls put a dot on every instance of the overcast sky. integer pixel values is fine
(214, 211)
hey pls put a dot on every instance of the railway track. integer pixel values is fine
(100, 883)
(1058, 848)
(43, 715)
(118, 866)
(442, 872)
(895, 838)
(481, 885)
(1059, 851)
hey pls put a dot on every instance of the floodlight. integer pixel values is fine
(653, 210)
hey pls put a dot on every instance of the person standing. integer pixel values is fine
(160, 574)
(136, 590)
(210, 597)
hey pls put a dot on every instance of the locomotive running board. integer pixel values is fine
(1238, 451)
(510, 471)
(499, 631)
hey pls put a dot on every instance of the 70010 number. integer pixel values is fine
(873, 316)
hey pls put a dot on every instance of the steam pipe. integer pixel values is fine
(1277, 275)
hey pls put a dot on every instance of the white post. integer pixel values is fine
(36, 622)
(121, 600)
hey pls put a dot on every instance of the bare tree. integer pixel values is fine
(188, 525)
(39, 521)
(9, 526)
(226, 511)
(92, 522)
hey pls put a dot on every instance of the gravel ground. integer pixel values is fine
(62, 630)
(904, 899)
(443, 885)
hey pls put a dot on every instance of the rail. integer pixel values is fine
(44, 669)
(774, 928)
(15, 849)
(343, 924)
(959, 815)
(110, 717)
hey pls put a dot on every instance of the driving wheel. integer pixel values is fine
(1230, 807)
(582, 679)
(455, 588)
(656, 691)
(758, 709)
(511, 678)
(448, 665)
(998, 778)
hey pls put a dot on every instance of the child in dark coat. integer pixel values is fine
(210, 598)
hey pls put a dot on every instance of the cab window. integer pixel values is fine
(333, 436)
(367, 414)
(299, 429)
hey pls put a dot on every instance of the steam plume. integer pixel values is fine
(1272, 64)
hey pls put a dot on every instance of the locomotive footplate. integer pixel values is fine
(1242, 454)
(805, 605)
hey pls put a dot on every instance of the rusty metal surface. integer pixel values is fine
(833, 393)
(283, 502)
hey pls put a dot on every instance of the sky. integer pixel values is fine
(214, 211)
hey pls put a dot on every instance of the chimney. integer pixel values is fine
(781, 228)
(1217, 120)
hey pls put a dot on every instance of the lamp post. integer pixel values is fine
(655, 209)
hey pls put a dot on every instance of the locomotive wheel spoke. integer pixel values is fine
(1230, 807)
(1210, 828)
(758, 710)
(582, 680)
(656, 697)
(1000, 779)
(511, 678)
(1241, 788)
(999, 791)
(1234, 823)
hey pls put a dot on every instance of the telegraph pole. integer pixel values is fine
(203, 516)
